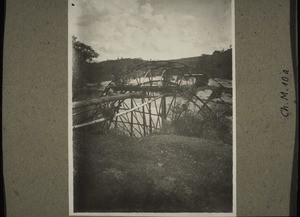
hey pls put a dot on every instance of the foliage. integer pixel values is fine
(203, 126)
(217, 65)
(188, 125)
(82, 56)
(82, 51)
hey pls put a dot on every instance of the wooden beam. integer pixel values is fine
(106, 99)
(147, 88)
(167, 88)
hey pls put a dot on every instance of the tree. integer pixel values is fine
(82, 55)
(82, 51)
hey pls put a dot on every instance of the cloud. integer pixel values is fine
(147, 11)
(152, 29)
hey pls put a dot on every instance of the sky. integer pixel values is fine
(151, 29)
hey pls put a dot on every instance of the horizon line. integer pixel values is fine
(140, 58)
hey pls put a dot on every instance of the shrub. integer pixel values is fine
(188, 125)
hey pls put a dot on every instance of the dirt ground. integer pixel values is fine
(159, 173)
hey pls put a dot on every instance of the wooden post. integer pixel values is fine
(144, 118)
(150, 119)
(149, 111)
(116, 121)
(131, 118)
(163, 101)
(163, 109)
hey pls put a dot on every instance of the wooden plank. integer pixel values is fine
(106, 99)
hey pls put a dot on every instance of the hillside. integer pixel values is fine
(217, 65)
(158, 173)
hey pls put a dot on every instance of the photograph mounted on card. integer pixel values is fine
(151, 107)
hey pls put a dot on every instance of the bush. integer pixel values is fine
(188, 125)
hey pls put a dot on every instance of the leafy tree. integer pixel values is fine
(82, 51)
(82, 55)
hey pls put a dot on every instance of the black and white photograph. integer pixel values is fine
(151, 107)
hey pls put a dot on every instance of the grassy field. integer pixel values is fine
(159, 173)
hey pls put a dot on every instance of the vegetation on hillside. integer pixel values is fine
(217, 65)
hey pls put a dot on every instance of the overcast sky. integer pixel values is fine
(152, 29)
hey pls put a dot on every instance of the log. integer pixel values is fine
(106, 99)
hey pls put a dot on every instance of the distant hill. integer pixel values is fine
(217, 65)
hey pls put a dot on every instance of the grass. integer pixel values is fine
(159, 173)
